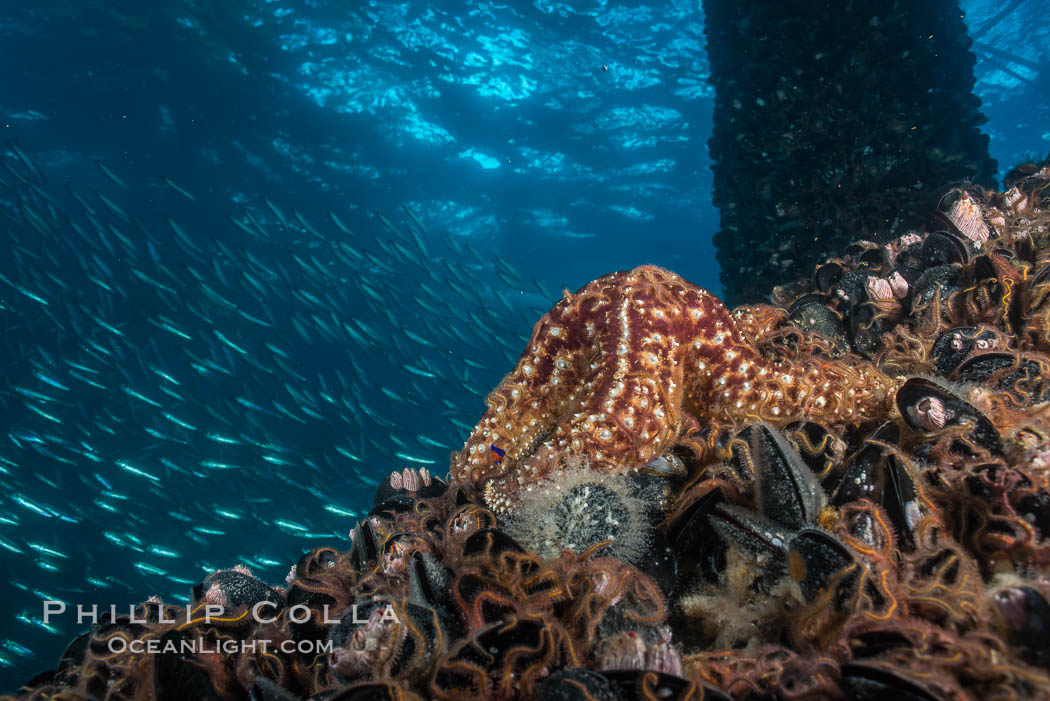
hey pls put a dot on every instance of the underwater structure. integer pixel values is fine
(840, 494)
(833, 122)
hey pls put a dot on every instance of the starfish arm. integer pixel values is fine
(616, 371)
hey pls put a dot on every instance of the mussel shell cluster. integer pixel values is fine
(859, 548)
(906, 557)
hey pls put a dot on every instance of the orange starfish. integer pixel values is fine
(620, 370)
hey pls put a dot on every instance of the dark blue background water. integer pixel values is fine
(541, 145)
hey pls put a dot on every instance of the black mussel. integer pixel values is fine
(177, 675)
(867, 317)
(656, 473)
(1041, 276)
(864, 474)
(1036, 508)
(865, 682)
(819, 448)
(515, 653)
(787, 490)
(957, 344)
(900, 498)
(946, 278)
(155, 611)
(1002, 283)
(813, 557)
(875, 260)
(400, 490)
(364, 548)
(910, 273)
(688, 529)
(936, 284)
(929, 407)
(436, 488)
(462, 496)
(1016, 176)
(398, 503)
(810, 314)
(376, 637)
(320, 605)
(867, 323)
(791, 499)
(482, 601)
(981, 367)
(828, 275)
(428, 579)
(909, 254)
(661, 564)
(1037, 325)
(265, 690)
(944, 248)
(235, 588)
(426, 640)
(372, 691)
(990, 266)
(490, 542)
(868, 527)
(752, 531)
(74, 654)
(576, 685)
(1027, 616)
(877, 641)
(856, 248)
(108, 626)
(1024, 377)
(887, 434)
(1024, 247)
(39, 681)
(694, 543)
(317, 561)
(647, 684)
(868, 255)
(851, 287)
(429, 585)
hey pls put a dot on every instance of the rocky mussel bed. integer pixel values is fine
(904, 554)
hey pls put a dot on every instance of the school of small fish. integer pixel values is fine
(168, 380)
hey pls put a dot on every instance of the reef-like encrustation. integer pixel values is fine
(844, 494)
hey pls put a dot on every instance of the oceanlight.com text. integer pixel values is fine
(154, 646)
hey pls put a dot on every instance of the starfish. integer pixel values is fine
(619, 371)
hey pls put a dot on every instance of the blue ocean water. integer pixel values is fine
(256, 256)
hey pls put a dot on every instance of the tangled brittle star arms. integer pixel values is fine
(620, 370)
